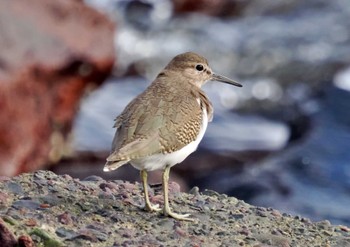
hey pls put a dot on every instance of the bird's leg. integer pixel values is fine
(148, 206)
(166, 209)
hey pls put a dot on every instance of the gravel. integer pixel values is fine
(45, 209)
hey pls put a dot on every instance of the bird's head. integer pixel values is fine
(195, 70)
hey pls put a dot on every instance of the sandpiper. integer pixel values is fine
(164, 124)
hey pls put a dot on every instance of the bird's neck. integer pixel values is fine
(176, 79)
(203, 101)
(173, 81)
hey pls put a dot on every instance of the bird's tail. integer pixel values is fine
(112, 165)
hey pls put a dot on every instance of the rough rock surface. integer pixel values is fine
(51, 52)
(61, 211)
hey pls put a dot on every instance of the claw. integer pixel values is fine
(177, 216)
(152, 208)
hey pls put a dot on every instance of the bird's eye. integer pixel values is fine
(199, 67)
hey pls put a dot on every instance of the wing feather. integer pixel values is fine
(160, 120)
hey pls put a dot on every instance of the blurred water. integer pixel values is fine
(228, 131)
(318, 169)
(287, 54)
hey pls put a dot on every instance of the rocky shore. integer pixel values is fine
(44, 209)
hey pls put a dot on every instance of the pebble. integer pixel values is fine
(111, 186)
(28, 204)
(65, 218)
(3, 197)
(344, 228)
(66, 233)
(4, 178)
(325, 224)
(194, 191)
(30, 222)
(276, 213)
(93, 178)
(210, 193)
(25, 241)
(15, 188)
(237, 216)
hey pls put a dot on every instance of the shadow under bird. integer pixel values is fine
(164, 124)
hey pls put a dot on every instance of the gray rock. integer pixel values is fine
(82, 218)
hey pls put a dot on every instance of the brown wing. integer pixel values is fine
(158, 121)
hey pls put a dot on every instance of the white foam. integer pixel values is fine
(342, 79)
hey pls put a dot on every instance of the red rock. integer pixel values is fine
(157, 199)
(344, 228)
(6, 236)
(3, 197)
(51, 53)
(4, 178)
(174, 188)
(209, 7)
(45, 205)
(182, 233)
(65, 218)
(87, 234)
(25, 241)
(30, 222)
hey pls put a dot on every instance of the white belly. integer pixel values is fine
(159, 161)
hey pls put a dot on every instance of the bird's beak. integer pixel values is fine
(216, 77)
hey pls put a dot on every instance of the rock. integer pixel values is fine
(286, 53)
(221, 220)
(218, 8)
(6, 236)
(51, 53)
(45, 238)
(25, 241)
(65, 218)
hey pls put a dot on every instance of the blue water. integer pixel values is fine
(287, 56)
(316, 170)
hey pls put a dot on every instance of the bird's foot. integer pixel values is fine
(176, 216)
(152, 208)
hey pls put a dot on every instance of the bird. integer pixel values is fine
(164, 124)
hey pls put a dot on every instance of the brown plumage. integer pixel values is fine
(165, 123)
